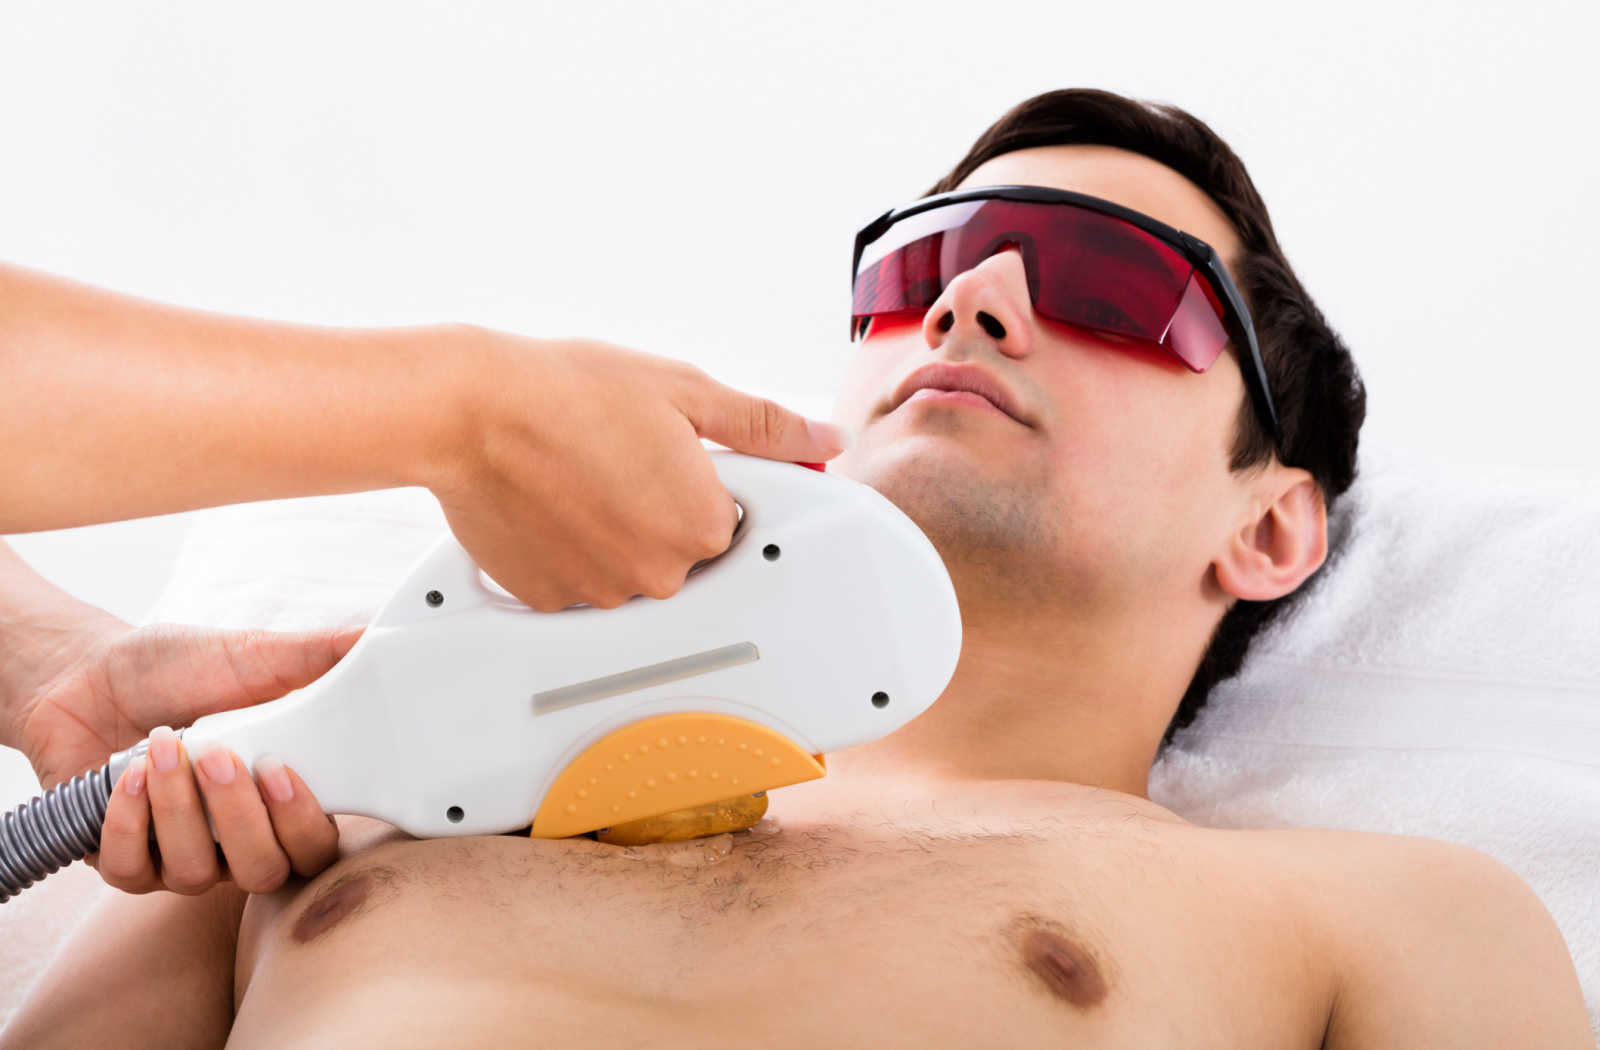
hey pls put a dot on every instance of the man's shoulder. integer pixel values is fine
(1430, 942)
(1332, 850)
(1367, 888)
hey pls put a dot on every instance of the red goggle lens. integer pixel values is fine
(1084, 268)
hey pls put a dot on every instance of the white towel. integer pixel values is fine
(1441, 678)
(299, 563)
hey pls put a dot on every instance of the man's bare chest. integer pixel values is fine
(945, 920)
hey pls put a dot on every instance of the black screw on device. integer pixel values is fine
(435, 599)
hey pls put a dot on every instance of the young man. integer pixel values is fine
(993, 874)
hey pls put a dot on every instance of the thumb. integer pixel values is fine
(760, 426)
(191, 673)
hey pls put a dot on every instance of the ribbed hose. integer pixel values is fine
(44, 835)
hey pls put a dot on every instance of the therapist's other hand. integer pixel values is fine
(579, 475)
(266, 831)
(106, 685)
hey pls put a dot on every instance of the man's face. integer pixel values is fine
(1112, 487)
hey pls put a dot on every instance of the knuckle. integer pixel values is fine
(668, 583)
(712, 539)
(307, 863)
(771, 421)
(188, 883)
(123, 873)
(711, 543)
(686, 370)
(121, 825)
(547, 601)
(264, 878)
(137, 887)
(167, 810)
(316, 835)
(247, 655)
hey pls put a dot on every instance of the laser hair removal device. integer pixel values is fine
(830, 621)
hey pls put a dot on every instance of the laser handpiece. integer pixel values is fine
(829, 621)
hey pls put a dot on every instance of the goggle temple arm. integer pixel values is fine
(1244, 333)
(869, 233)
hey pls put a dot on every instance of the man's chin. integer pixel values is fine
(885, 449)
(912, 469)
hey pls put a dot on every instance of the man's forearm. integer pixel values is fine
(117, 407)
(139, 971)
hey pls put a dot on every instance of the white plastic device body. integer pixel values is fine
(459, 706)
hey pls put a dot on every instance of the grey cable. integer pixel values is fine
(50, 831)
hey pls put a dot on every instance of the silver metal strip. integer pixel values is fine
(644, 677)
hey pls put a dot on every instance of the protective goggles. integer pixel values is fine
(1089, 263)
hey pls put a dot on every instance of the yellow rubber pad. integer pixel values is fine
(668, 763)
(713, 818)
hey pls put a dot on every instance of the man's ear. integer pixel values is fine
(1284, 541)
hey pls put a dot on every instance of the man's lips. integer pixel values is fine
(957, 379)
(953, 397)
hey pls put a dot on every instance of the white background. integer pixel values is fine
(609, 170)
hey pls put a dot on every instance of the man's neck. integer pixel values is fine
(1069, 705)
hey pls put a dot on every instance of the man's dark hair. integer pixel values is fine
(1320, 399)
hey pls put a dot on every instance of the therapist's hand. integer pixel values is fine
(104, 685)
(266, 832)
(96, 685)
(576, 473)
(570, 469)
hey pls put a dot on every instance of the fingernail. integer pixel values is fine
(274, 778)
(830, 435)
(163, 749)
(133, 777)
(218, 764)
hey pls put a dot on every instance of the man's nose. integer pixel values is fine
(991, 299)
